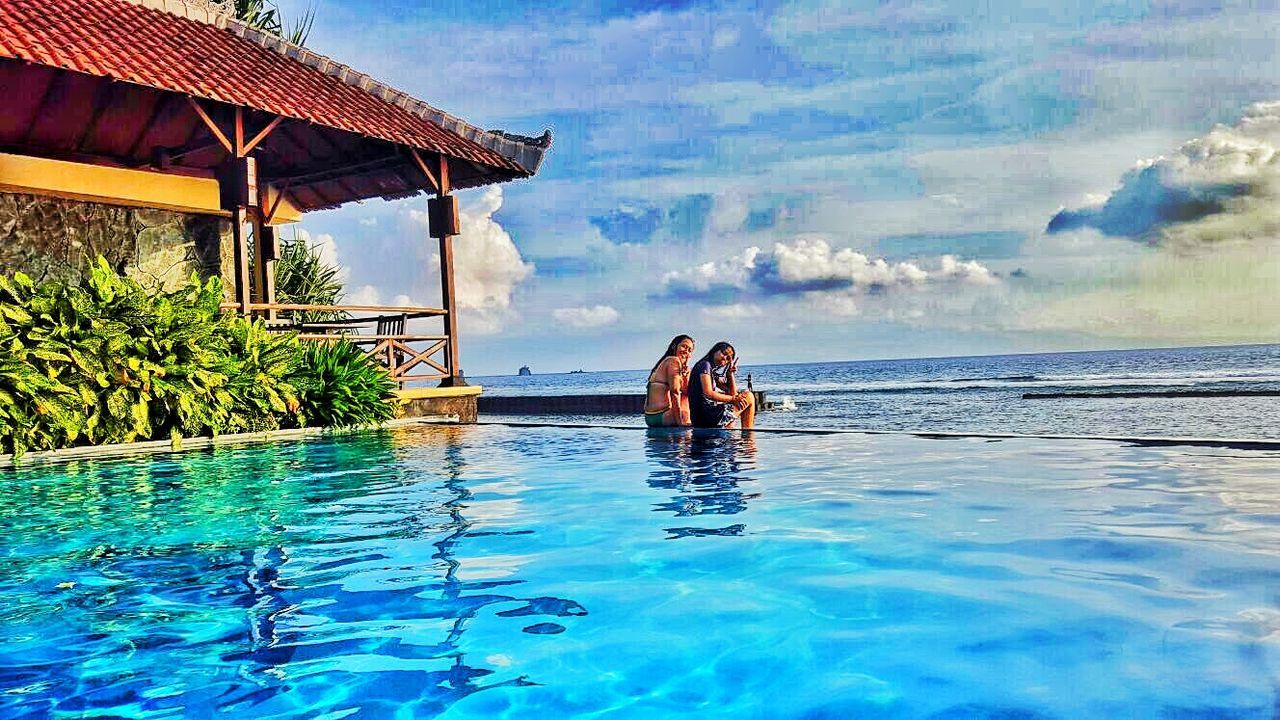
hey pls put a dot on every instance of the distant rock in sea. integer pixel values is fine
(524, 371)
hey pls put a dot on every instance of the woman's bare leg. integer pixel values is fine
(748, 416)
(671, 417)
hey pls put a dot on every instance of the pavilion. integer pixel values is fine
(175, 106)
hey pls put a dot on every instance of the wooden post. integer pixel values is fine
(271, 247)
(259, 259)
(240, 193)
(241, 244)
(448, 289)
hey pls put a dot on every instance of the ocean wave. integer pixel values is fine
(1096, 383)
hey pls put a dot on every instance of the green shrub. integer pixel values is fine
(108, 361)
(339, 386)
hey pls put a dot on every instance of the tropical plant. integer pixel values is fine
(265, 15)
(340, 386)
(109, 361)
(303, 278)
(260, 391)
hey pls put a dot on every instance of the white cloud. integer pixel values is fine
(364, 295)
(1207, 267)
(487, 266)
(732, 313)
(808, 264)
(1223, 187)
(733, 273)
(814, 280)
(725, 36)
(586, 317)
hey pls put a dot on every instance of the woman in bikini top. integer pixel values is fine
(666, 402)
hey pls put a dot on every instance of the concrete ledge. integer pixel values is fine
(438, 392)
(425, 402)
(156, 447)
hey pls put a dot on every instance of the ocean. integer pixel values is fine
(1213, 392)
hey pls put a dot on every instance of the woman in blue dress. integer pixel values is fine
(714, 398)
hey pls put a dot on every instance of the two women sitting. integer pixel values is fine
(706, 396)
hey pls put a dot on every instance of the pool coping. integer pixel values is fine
(157, 447)
(1150, 441)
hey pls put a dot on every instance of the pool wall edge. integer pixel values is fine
(155, 447)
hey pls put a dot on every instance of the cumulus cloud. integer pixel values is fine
(364, 295)
(487, 266)
(585, 317)
(1207, 265)
(809, 264)
(1219, 188)
(713, 279)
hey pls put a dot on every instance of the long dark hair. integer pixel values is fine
(671, 349)
(722, 345)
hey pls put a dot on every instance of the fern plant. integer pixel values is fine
(340, 387)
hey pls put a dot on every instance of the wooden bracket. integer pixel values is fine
(275, 204)
(248, 148)
(422, 165)
(213, 126)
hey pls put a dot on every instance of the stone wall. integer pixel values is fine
(55, 239)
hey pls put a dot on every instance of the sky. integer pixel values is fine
(820, 180)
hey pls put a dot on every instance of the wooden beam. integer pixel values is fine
(445, 188)
(192, 149)
(248, 148)
(271, 214)
(213, 126)
(39, 111)
(161, 105)
(239, 128)
(335, 173)
(259, 291)
(101, 100)
(426, 171)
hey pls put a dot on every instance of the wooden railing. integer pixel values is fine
(408, 357)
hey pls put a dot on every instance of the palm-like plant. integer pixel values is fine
(265, 15)
(303, 278)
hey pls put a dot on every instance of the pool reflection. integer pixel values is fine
(705, 470)
(257, 582)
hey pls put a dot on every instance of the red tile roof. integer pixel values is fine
(222, 60)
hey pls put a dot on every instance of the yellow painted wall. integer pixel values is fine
(120, 186)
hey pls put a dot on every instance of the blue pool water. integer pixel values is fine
(498, 572)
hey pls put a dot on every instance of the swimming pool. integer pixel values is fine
(492, 571)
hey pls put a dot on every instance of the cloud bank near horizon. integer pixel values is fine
(1222, 187)
(1208, 218)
